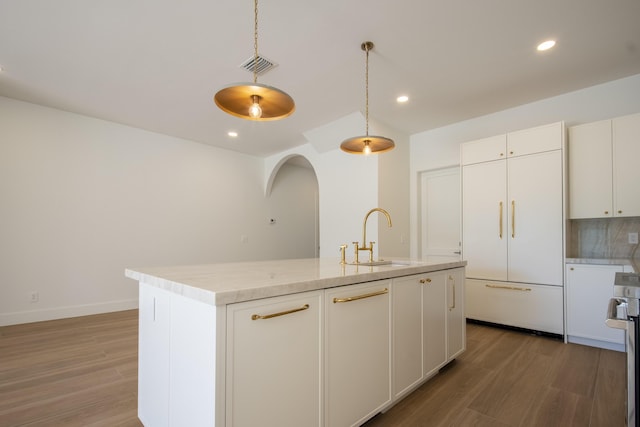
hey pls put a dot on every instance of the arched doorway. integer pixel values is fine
(292, 200)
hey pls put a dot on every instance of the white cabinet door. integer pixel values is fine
(154, 340)
(456, 321)
(484, 220)
(590, 170)
(626, 169)
(589, 289)
(407, 333)
(535, 219)
(357, 363)
(273, 361)
(535, 140)
(603, 168)
(434, 320)
(484, 150)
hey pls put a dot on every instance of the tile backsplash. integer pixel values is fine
(602, 238)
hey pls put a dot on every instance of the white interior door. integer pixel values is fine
(440, 214)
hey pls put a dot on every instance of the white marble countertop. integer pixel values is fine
(220, 284)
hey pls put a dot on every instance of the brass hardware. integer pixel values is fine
(282, 313)
(571, 269)
(510, 288)
(501, 154)
(510, 152)
(619, 212)
(342, 254)
(427, 280)
(372, 294)
(364, 234)
(454, 292)
(513, 219)
(606, 212)
(500, 234)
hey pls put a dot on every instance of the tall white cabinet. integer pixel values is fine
(512, 227)
(603, 168)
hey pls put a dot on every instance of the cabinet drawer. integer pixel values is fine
(537, 307)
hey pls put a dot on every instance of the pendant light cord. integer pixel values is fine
(366, 79)
(255, 42)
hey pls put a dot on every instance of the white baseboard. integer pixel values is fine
(30, 316)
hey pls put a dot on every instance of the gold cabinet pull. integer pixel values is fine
(509, 288)
(282, 313)
(513, 219)
(372, 294)
(453, 281)
(427, 280)
(500, 222)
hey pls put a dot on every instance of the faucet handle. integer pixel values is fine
(371, 251)
(342, 253)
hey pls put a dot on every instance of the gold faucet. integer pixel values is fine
(364, 235)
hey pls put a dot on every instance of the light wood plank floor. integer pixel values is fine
(83, 371)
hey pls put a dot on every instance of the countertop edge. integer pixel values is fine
(348, 275)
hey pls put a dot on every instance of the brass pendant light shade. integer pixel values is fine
(367, 144)
(254, 101)
(238, 98)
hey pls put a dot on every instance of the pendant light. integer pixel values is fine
(367, 144)
(254, 101)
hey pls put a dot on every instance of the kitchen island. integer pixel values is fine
(292, 342)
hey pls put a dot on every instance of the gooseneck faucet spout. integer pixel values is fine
(364, 234)
(364, 224)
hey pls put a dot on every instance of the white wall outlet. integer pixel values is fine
(633, 238)
(34, 296)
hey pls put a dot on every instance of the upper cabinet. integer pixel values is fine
(603, 168)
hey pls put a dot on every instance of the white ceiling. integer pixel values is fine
(156, 64)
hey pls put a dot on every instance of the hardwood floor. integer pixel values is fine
(70, 372)
(508, 378)
(83, 371)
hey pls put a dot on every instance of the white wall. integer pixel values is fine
(393, 193)
(347, 190)
(440, 147)
(81, 199)
(351, 185)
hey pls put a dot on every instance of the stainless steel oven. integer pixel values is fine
(623, 313)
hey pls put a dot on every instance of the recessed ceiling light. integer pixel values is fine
(546, 45)
(232, 134)
(402, 98)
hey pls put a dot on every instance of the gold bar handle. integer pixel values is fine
(513, 219)
(282, 313)
(509, 288)
(372, 294)
(453, 281)
(425, 281)
(500, 233)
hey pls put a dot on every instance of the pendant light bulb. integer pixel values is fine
(367, 148)
(255, 111)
